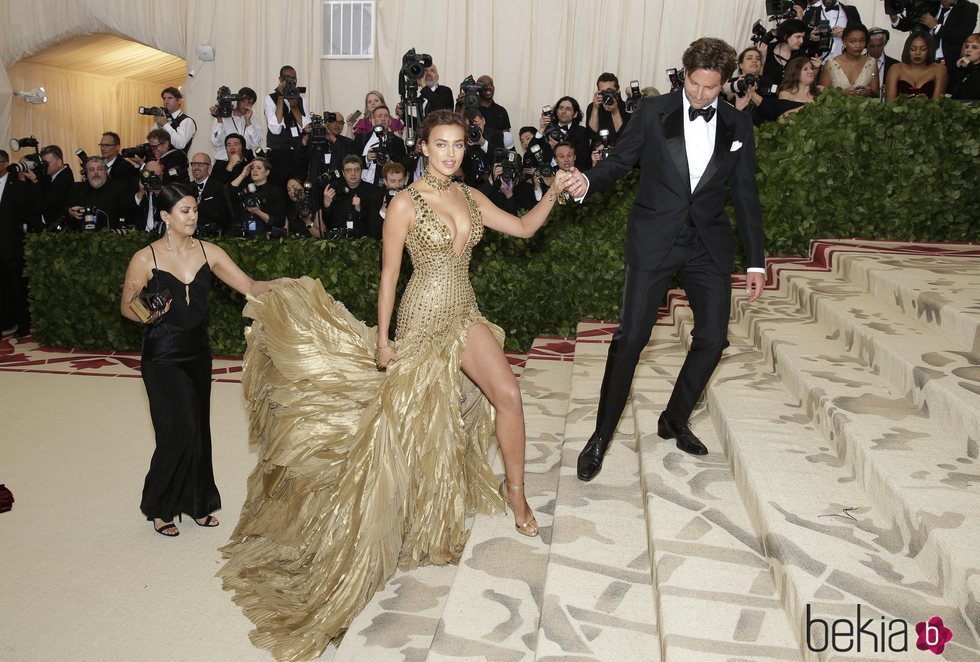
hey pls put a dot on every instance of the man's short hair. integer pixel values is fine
(96, 159)
(158, 134)
(352, 159)
(379, 107)
(527, 129)
(285, 67)
(4, 156)
(234, 136)
(712, 54)
(471, 114)
(607, 77)
(392, 168)
(248, 93)
(172, 91)
(565, 143)
(55, 151)
(115, 137)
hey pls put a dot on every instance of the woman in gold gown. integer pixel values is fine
(360, 471)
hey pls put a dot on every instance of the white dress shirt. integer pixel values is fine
(370, 172)
(223, 126)
(183, 134)
(275, 126)
(699, 139)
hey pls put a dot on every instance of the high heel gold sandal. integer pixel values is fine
(528, 528)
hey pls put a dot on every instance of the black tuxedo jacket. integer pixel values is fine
(579, 137)
(341, 211)
(439, 99)
(13, 210)
(125, 173)
(654, 138)
(814, 14)
(956, 28)
(49, 199)
(213, 207)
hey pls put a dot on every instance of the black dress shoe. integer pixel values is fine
(590, 459)
(686, 440)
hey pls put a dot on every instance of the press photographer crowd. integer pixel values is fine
(289, 171)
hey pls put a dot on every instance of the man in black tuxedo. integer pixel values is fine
(563, 123)
(379, 146)
(877, 40)
(689, 145)
(13, 286)
(213, 210)
(838, 15)
(120, 170)
(48, 194)
(949, 22)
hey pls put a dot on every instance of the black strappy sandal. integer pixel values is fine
(167, 527)
(207, 522)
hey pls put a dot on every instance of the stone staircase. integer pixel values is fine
(843, 427)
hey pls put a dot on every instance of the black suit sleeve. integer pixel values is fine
(959, 25)
(745, 195)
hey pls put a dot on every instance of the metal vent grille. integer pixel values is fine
(347, 29)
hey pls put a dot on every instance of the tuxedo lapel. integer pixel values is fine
(673, 127)
(724, 137)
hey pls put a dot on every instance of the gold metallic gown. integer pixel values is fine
(359, 471)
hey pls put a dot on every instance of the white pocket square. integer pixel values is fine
(736, 146)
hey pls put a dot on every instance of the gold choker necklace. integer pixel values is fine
(435, 182)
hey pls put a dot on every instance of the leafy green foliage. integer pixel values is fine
(841, 167)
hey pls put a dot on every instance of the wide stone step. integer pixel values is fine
(494, 605)
(831, 547)
(598, 595)
(939, 375)
(908, 465)
(715, 591)
(940, 292)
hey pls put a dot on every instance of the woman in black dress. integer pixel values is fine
(176, 361)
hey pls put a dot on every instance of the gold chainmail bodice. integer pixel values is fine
(439, 295)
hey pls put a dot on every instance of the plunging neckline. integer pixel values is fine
(174, 276)
(445, 224)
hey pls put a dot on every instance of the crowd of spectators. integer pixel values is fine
(286, 171)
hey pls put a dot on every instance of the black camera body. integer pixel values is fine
(251, 196)
(780, 10)
(536, 158)
(555, 132)
(510, 164)
(474, 134)
(17, 144)
(332, 178)
(151, 180)
(762, 36)
(414, 64)
(155, 111)
(676, 78)
(913, 9)
(633, 100)
(143, 151)
(290, 90)
(305, 205)
(225, 100)
(318, 128)
(610, 97)
(606, 148)
(381, 153)
(814, 48)
(471, 92)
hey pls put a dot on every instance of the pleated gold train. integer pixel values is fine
(360, 471)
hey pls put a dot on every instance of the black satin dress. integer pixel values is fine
(176, 366)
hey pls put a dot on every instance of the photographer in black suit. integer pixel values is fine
(949, 22)
(174, 161)
(260, 205)
(482, 142)
(839, 16)
(689, 146)
(110, 201)
(351, 206)
(213, 211)
(379, 146)
(607, 110)
(14, 312)
(48, 194)
(563, 123)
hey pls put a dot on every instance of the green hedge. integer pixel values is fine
(842, 167)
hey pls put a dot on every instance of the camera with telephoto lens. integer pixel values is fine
(913, 9)
(414, 64)
(740, 86)
(151, 180)
(510, 164)
(318, 128)
(606, 147)
(610, 97)
(82, 156)
(155, 111)
(824, 42)
(676, 78)
(290, 90)
(225, 101)
(144, 151)
(30, 163)
(471, 92)
(251, 196)
(633, 100)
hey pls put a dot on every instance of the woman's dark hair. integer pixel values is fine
(712, 54)
(930, 46)
(741, 56)
(791, 76)
(856, 27)
(441, 118)
(171, 194)
(790, 27)
(577, 108)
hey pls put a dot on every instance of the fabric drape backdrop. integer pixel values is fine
(536, 51)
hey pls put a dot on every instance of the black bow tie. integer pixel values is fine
(833, 7)
(707, 113)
